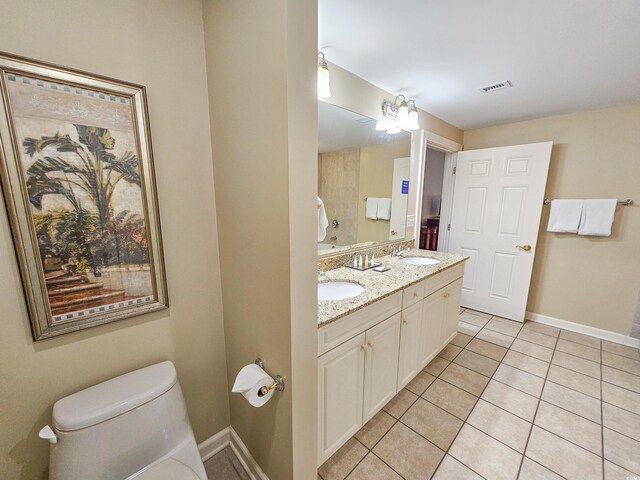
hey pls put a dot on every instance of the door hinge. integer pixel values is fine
(449, 227)
(454, 170)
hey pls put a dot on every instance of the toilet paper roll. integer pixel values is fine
(249, 381)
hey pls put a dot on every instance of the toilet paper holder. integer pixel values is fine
(278, 381)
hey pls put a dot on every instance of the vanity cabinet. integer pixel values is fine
(356, 380)
(380, 366)
(340, 395)
(365, 358)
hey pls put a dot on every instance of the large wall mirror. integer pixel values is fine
(363, 181)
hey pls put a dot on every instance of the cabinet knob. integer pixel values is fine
(365, 347)
(446, 295)
(415, 294)
(404, 322)
(371, 344)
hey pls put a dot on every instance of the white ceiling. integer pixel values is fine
(561, 55)
(339, 128)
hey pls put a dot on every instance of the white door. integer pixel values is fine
(340, 389)
(399, 198)
(381, 366)
(497, 201)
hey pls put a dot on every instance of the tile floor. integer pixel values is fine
(506, 401)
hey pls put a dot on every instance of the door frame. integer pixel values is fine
(431, 140)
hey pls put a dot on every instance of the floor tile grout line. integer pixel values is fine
(569, 411)
(535, 414)
(466, 423)
(620, 386)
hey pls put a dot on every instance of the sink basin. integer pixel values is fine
(338, 290)
(420, 260)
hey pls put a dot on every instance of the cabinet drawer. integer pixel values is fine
(357, 322)
(443, 279)
(413, 294)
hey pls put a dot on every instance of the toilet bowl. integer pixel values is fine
(134, 426)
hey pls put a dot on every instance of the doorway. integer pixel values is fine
(431, 199)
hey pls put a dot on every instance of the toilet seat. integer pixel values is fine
(169, 469)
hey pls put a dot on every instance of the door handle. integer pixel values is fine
(394, 233)
(526, 248)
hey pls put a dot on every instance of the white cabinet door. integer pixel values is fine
(433, 308)
(410, 328)
(340, 390)
(381, 365)
(451, 293)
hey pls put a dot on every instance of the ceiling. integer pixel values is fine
(339, 128)
(561, 55)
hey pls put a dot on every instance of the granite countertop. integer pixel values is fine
(380, 284)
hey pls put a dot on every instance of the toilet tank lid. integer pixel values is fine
(114, 397)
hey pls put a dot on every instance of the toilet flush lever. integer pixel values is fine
(49, 435)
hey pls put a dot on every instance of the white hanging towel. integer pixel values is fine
(323, 223)
(372, 208)
(597, 217)
(565, 216)
(384, 208)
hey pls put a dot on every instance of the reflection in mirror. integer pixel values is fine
(363, 181)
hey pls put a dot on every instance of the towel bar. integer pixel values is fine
(626, 203)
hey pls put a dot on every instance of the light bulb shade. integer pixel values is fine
(393, 129)
(403, 116)
(324, 82)
(413, 122)
(381, 126)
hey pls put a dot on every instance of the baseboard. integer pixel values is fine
(214, 444)
(228, 437)
(248, 463)
(585, 329)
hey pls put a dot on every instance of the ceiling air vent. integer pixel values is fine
(496, 86)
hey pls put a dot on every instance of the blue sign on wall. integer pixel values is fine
(405, 187)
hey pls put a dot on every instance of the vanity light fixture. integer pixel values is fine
(324, 78)
(403, 112)
(383, 126)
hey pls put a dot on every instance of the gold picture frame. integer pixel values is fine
(77, 174)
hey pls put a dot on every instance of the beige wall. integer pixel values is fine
(261, 59)
(586, 280)
(376, 180)
(158, 44)
(356, 94)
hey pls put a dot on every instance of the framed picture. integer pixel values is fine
(77, 176)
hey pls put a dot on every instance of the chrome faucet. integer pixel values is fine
(397, 252)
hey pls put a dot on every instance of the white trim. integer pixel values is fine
(244, 456)
(229, 437)
(585, 329)
(446, 205)
(441, 143)
(214, 444)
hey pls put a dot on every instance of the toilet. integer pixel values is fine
(134, 426)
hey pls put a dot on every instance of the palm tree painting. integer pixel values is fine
(78, 180)
(82, 236)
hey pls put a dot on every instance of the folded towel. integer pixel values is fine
(565, 216)
(384, 208)
(597, 217)
(323, 223)
(372, 208)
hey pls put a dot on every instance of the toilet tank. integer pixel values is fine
(116, 428)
